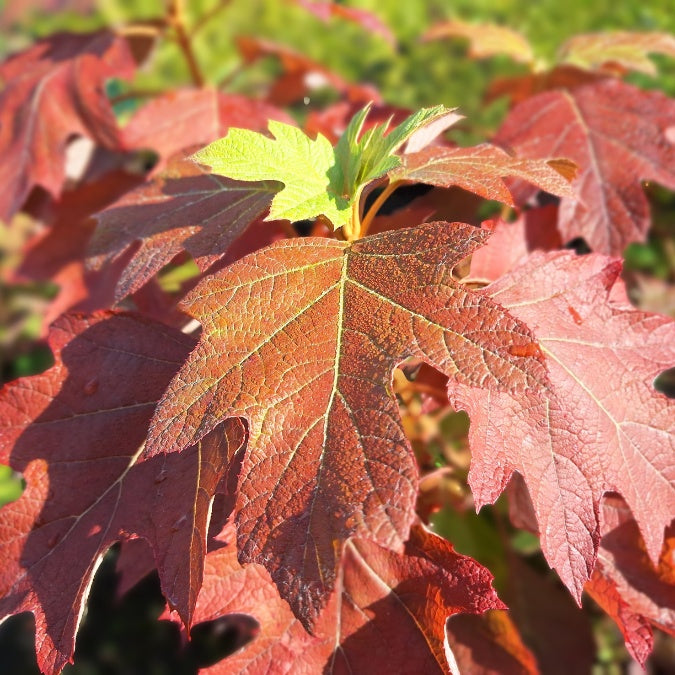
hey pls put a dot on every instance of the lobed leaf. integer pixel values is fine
(182, 209)
(291, 158)
(481, 170)
(300, 339)
(388, 612)
(577, 436)
(318, 180)
(617, 136)
(56, 253)
(488, 644)
(187, 118)
(626, 584)
(52, 92)
(76, 432)
(509, 242)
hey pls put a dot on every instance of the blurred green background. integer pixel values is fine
(412, 73)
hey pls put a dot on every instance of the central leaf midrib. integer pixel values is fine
(334, 387)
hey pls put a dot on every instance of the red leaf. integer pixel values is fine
(134, 562)
(408, 599)
(489, 645)
(480, 170)
(616, 134)
(626, 584)
(75, 432)
(229, 588)
(535, 229)
(300, 74)
(388, 613)
(54, 91)
(301, 339)
(576, 437)
(555, 629)
(189, 118)
(56, 254)
(636, 631)
(518, 88)
(183, 209)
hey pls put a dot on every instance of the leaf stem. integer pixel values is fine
(229, 78)
(141, 29)
(351, 229)
(205, 18)
(377, 205)
(177, 21)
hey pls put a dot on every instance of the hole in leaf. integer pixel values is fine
(545, 198)
(109, 640)
(490, 208)
(212, 641)
(12, 485)
(438, 436)
(25, 357)
(578, 245)
(303, 227)
(665, 383)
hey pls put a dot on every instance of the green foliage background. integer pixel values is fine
(414, 74)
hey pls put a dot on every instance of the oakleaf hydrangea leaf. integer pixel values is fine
(318, 179)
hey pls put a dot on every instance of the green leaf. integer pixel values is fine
(318, 179)
(292, 158)
(365, 159)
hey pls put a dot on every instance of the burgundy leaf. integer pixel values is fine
(54, 91)
(293, 340)
(616, 134)
(76, 432)
(183, 209)
(192, 118)
(388, 613)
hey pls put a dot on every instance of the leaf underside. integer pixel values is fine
(575, 438)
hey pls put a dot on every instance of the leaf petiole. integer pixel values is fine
(377, 205)
(176, 19)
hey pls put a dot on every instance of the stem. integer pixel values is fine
(141, 29)
(205, 18)
(227, 80)
(177, 20)
(377, 205)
